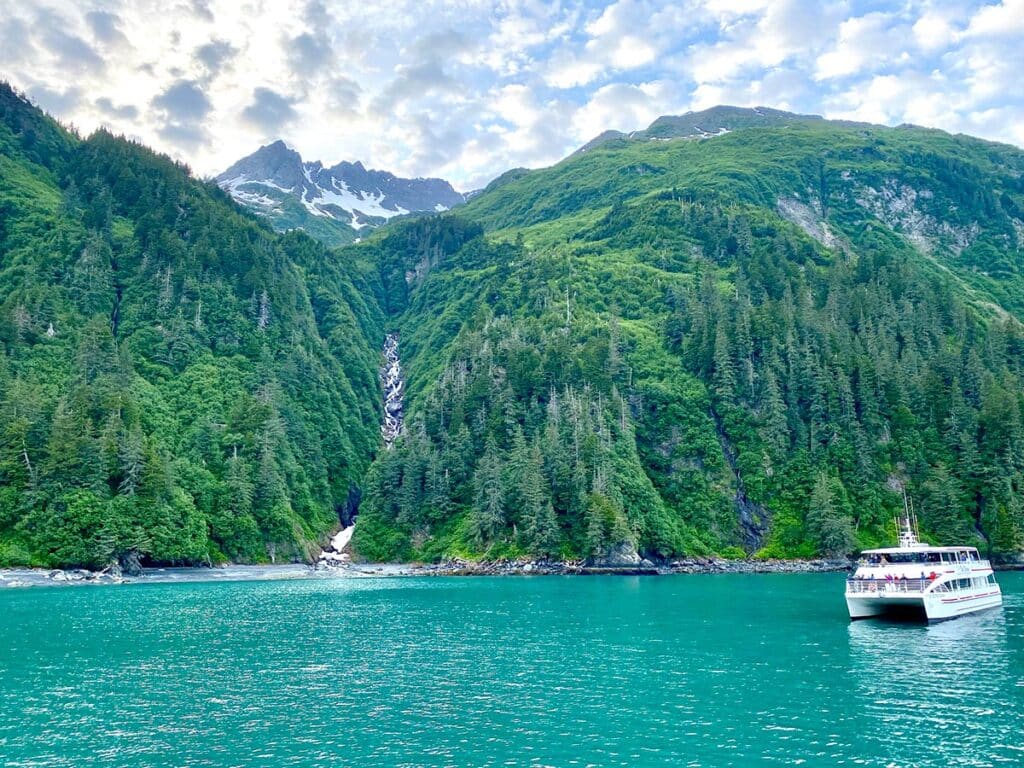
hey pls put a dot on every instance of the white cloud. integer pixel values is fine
(787, 31)
(933, 31)
(625, 36)
(467, 90)
(864, 42)
(624, 107)
(1003, 20)
(731, 9)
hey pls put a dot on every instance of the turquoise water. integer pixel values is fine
(605, 671)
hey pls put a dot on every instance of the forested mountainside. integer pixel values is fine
(746, 340)
(746, 343)
(177, 382)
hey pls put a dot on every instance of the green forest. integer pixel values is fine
(748, 345)
(178, 383)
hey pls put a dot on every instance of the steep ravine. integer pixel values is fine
(393, 386)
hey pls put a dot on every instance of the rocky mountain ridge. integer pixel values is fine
(334, 204)
(704, 124)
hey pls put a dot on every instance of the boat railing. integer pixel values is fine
(889, 586)
(958, 564)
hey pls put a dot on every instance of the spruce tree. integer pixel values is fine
(827, 527)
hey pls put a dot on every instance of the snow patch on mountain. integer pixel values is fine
(276, 182)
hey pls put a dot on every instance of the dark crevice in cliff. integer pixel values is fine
(753, 517)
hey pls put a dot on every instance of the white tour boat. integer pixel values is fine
(916, 579)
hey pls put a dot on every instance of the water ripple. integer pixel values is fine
(686, 671)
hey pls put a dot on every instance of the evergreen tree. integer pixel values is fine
(487, 517)
(541, 525)
(943, 502)
(829, 529)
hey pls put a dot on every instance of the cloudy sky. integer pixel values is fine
(467, 89)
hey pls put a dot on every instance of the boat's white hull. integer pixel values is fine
(933, 606)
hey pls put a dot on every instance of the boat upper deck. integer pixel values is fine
(911, 551)
(919, 548)
(921, 554)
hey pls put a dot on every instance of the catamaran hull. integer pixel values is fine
(932, 607)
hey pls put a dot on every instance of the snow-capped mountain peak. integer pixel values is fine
(333, 204)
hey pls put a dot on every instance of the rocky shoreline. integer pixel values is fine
(29, 577)
(343, 568)
(643, 568)
(46, 577)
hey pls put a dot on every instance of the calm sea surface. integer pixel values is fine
(607, 671)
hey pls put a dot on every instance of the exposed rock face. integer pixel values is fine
(754, 518)
(903, 208)
(809, 218)
(622, 555)
(129, 564)
(275, 181)
(394, 389)
(1010, 561)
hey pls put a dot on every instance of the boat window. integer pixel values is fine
(991, 578)
(906, 557)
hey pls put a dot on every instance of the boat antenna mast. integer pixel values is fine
(906, 526)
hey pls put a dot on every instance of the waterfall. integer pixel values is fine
(394, 387)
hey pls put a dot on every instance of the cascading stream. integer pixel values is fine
(391, 427)
(394, 388)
